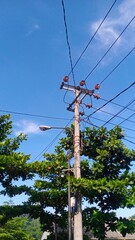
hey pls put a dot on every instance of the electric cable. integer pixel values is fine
(130, 137)
(32, 115)
(124, 119)
(129, 141)
(109, 49)
(127, 119)
(48, 146)
(109, 123)
(51, 143)
(101, 120)
(117, 104)
(118, 65)
(72, 67)
(131, 85)
(118, 112)
(94, 35)
(67, 39)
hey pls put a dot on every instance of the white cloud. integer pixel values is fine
(108, 32)
(26, 127)
(113, 26)
(35, 27)
(127, 9)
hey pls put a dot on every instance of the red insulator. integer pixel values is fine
(81, 113)
(96, 96)
(88, 105)
(82, 83)
(65, 79)
(97, 86)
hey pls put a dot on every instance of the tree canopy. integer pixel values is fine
(20, 228)
(106, 184)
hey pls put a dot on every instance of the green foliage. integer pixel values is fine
(16, 229)
(13, 164)
(125, 225)
(132, 217)
(107, 180)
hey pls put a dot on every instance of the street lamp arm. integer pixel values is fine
(45, 128)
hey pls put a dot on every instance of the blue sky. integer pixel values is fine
(34, 59)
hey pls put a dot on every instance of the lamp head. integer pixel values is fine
(44, 128)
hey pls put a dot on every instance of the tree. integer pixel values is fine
(20, 228)
(132, 217)
(13, 164)
(107, 181)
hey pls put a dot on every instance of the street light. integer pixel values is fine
(45, 128)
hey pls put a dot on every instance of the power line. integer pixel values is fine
(72, 67)
(127, 119)
(124, 119)
(67, 39)
(48, 146)
(118, 112)
(117, 104)
(51, 143)
(129, 141)
(112, 99)
(101, 120)
(130, 137)
(89, 122)
(109, 49)
(32, 115)
(118, 65)
(93, 35)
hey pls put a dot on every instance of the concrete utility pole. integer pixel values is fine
(78, 228)
(69, 200)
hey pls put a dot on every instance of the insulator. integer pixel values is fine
(97, 86)
(82, 83)
(81, 113)
(88, 105)
(96, 96)
(65, 79)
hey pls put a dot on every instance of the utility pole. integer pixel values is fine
(78, 91)
(78, 228)
(69, 200)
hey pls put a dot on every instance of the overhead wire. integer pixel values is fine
(67, 39)
(116, 96)
(129, 141)
(101, 120)
(72, 67)
(124, 119)
(127, 119)
(89, 122)
(109, 50)
(118, 65)
(51, 143)
(130, 137)
(117, 104)
(118, 112)
(32, 115)
(47, 147)
(93, 35)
